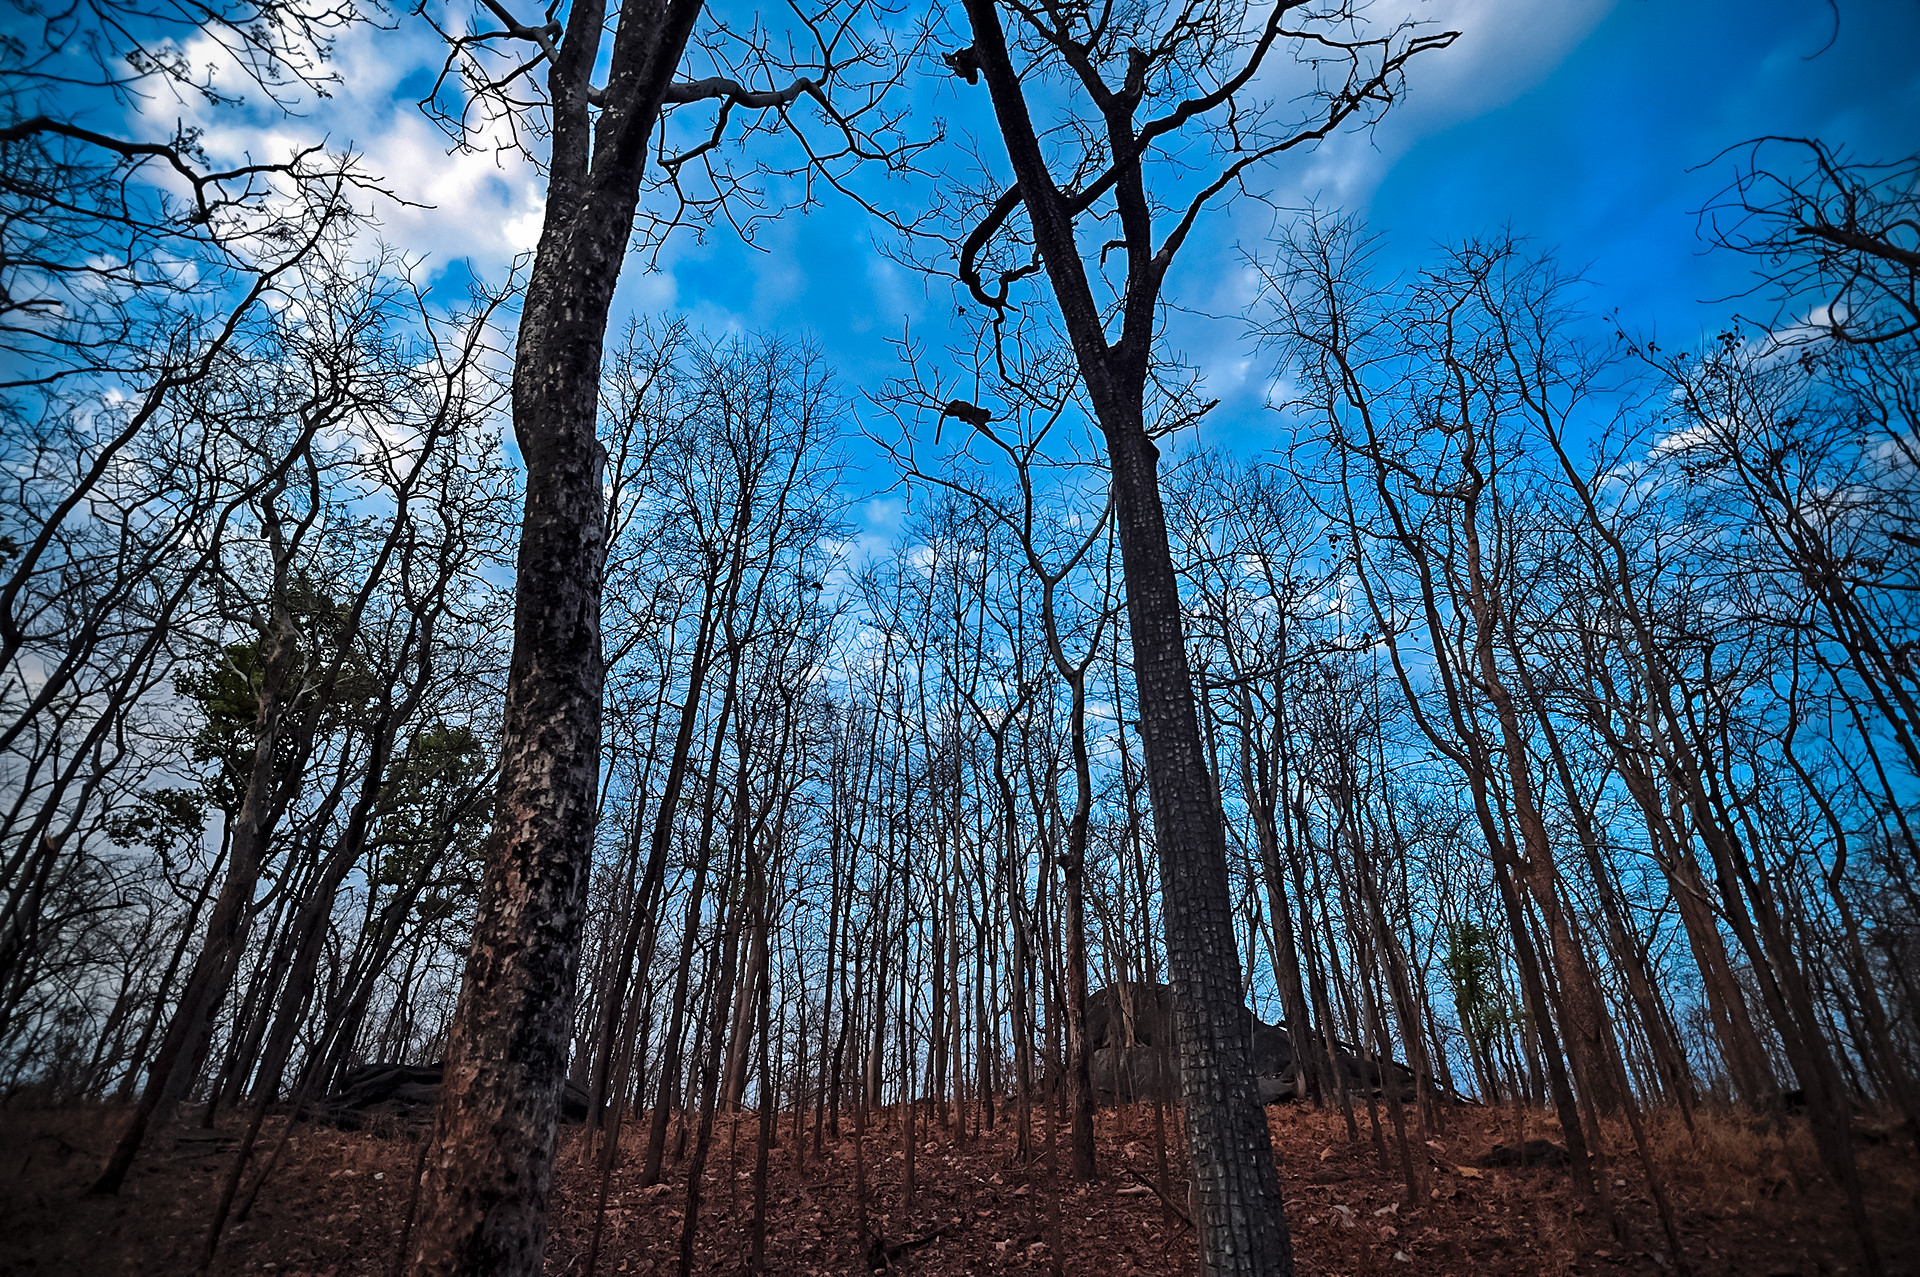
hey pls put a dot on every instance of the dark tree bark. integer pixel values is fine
(1241, 1221)
(484, 1199)
(1241, 1224)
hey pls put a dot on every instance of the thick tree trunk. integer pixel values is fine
(483, 1204)
(1241, 1222)
(483, 1201)
(1242, 1225)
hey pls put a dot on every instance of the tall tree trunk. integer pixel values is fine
(1260, 786)
(483, 1202)
(1243, 1227)
(484, 1199)
(1241, 1222)
(1079, 1079)
(191, 1027)
(642, 928)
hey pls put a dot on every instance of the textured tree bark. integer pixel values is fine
(1241, 1222)
(489, 1172)
(483, 1206)
(1243, 1227)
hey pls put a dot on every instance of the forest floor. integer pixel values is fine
(1751, 1203)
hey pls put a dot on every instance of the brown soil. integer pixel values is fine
(1750, 1203)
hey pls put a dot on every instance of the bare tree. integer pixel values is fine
(483, 1204)
(1134, 86)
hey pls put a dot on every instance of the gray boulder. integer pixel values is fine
(408, 1093)
(1130, 1033)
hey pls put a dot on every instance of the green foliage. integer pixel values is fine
(160, 819)
(228, 685)
(1471, 964)
(434, 814)
(226, 688)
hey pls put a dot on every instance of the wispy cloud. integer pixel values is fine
(482, 205)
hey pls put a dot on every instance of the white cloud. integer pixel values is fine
(1506, 47)
(483, 205)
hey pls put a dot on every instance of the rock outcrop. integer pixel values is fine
(407, 1093)
(1130, 1033)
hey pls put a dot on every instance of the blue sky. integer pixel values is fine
(1590, 126)
(1603, 157)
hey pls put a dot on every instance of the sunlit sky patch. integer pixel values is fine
(1596, 129)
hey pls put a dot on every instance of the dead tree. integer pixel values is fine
(1134, 86)
(483, 1202)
